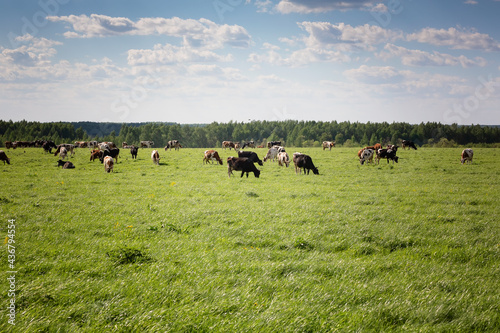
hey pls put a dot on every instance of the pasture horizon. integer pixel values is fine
(182, 247)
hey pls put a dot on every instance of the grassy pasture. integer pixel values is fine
(181, 247)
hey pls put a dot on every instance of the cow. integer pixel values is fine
(252, 156)
(69, 148)
(124, 145)
(466, 156)
(409, 144)
(92, 144)
(272, 153)
(242, 164)
(283, 159)
(389, 154)
(328, 144)
(212, 155)
(365, 155)
(63, 152)
(4, 158)
(96, 154)
(103, 146)
(147, 144)
(48, 145)
(273, 143)
(250, 144)
(9, 144)
(80, 144)
(113, 152)
(375, 147)
(173, 143)
(227, 144)
(303, 161)
(391, 147)
(108, 164)
(133, 152)
(155, 157)
(65, 165)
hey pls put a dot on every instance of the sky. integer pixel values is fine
(200, 61)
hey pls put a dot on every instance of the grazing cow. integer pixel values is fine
(69, 148)
(283, 159)
(133, 152)
(147, 144)
(409, 144)
(173, 143)
(103, 146)
(63, 152)
(237, 145)
(108, 164)
(328, 144)
(65, 165)
(95, 154)
(389, 154)
(211, 155)
(250, 144)
(227, 144)
(113, 152)
(4, 158)
(242, 164)
(273, 143)
(303, 161)
(155, 157)
(252, 156)
(92, 144)
(376, 147)
(391, 147)
(365, 155)
(466, 156)
(80, 144)
(272, 153)
(48, 145)
(9, 144)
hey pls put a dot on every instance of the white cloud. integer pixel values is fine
(471, 2)
(422, 58)
(321, 6)
(456, 39)
(200, 32)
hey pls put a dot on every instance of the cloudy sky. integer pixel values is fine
(199, 61)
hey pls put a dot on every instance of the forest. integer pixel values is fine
(290, 132)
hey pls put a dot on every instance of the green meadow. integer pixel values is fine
(181, 247)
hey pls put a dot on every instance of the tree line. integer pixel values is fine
(290, 132)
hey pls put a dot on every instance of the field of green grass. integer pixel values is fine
(181, 247)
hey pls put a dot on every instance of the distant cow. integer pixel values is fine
(173, 144)
(227, 144)
(466, 156)
(69, 148)
(63, 152)
(65, 165)
(273, 152)
(302, 161)
(108, 164)
(389, 154)
(252, 156)
(9, 144)
(48, 145)
(328, 144)
(409, 144)
(147, 144)
(242, 164)
(283, 159)
(273, 143)
(133, 152)
(250, 144)
(155, 156)
(113, 152)
(4, 158)
(211, 155)
(365, 155)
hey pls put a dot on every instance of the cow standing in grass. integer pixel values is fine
(4, 158)
(242, 164)
(211, 155)
(303, 161)
(155, 156)
(466, 156)
(108, 164)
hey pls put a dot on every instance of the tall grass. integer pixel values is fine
(182, 247)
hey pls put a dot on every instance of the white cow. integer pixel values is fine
(467, 155)
(366, 156)
(283, 159)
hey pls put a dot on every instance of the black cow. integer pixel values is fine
(409, 144)
(251, 156)
(242, 164)
(65, 165)
(250, 144)
(113, 152)
(302, 161)
(48, 145)
(133, 151)
(4, 158)
(389, 154)
(273, 143)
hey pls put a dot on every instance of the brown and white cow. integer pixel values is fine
(147, 144)
(108, 164)
(4, 158)
(227, 144)
(155, 156)
(63, 152)
(95, 154)
(283, 159)
(466, 156)
(211, 155)
(328, 144)
(173, 144)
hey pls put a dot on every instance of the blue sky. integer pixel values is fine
(196, 61)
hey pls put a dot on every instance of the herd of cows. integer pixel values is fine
(108, 153)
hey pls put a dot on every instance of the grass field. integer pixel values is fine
(181, 247)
